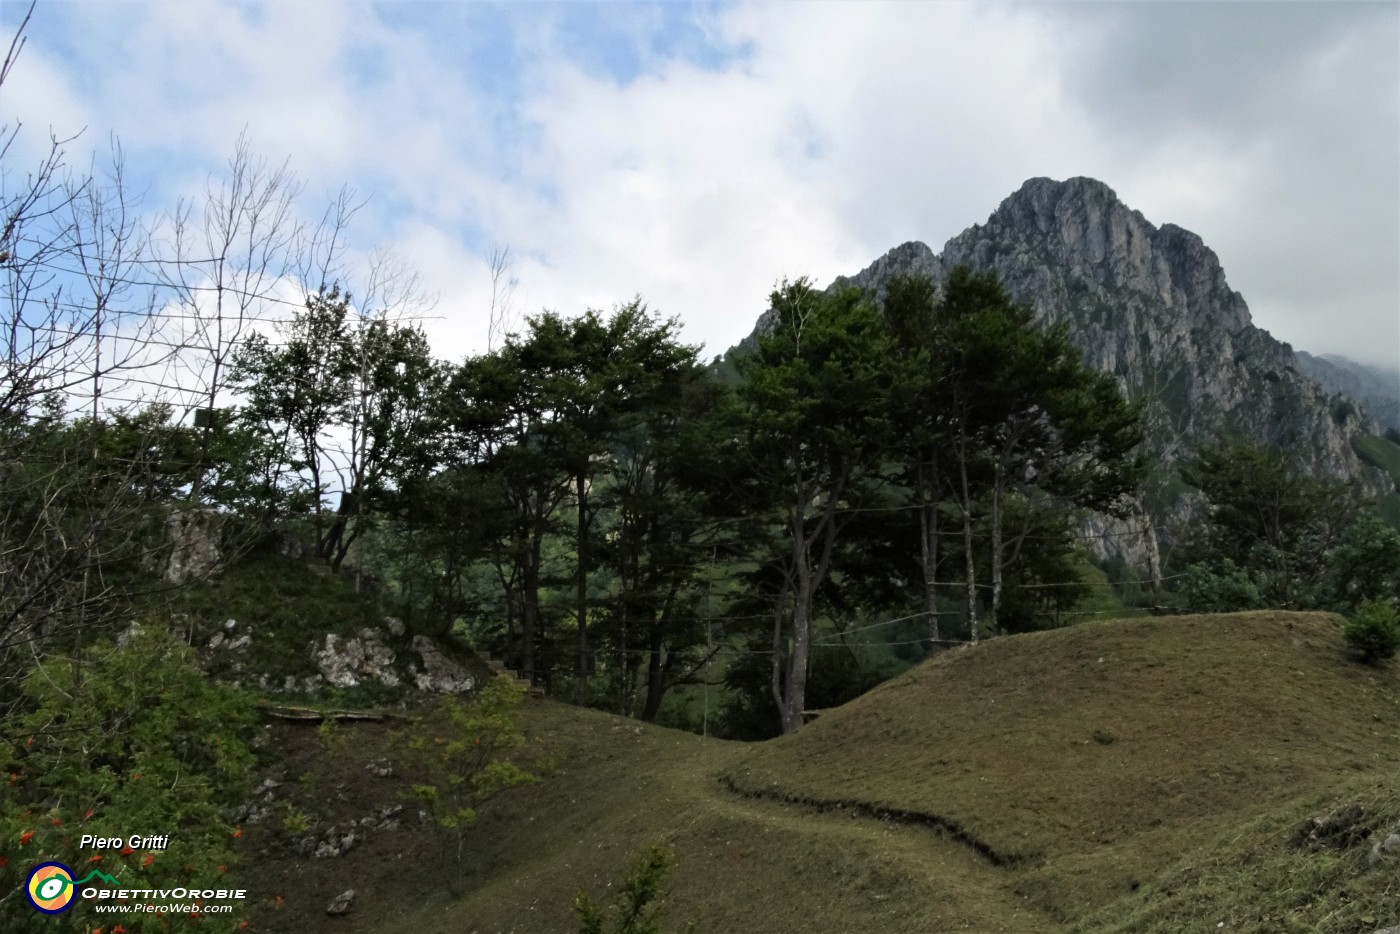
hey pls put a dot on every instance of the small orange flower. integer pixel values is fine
(26, 837)
(29, 741)
(279, 901)
(127, 851)
(135, 776)
(96, 859)
(148, 860)
(238, 831)
(118, 930)
(223, 869)
(243, 925)
(87, 815)
(57, 822)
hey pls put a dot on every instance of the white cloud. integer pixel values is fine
(840, 130)
(700, 189)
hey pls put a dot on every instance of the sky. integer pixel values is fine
(696, 154)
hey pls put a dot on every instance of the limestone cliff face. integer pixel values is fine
(1150, 305)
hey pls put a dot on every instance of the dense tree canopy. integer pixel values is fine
(816, 407)
(1278, 538)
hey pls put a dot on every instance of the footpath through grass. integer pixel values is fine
(1146, 775)
(1094, 759)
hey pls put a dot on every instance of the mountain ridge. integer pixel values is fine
(1376, 388)
(1152, 306)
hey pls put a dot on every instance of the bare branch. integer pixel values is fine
(504, 315)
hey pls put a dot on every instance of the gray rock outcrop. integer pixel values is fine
(439, 674)
(194, 537)
(369, 658)
(346, 663)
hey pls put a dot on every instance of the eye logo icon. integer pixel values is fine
(50, 888)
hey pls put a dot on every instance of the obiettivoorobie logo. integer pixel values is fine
(51, 887)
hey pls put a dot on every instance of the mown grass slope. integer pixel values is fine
(1142, 775)
(612, 787)
(1095, 758)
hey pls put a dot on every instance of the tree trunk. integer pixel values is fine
(775, 674)
(966, 504)
(581, 598)
(1154, 556)
(626, 675)
(631, 583)
(795, 693)
(318, 507)
(928, 542)
(337, 542)
(513, 639)
(530, 609)
(330, 542)
(656, 686)
(996, 550)
(809, 578)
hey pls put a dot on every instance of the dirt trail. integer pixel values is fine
(743, 864)
(958, 888)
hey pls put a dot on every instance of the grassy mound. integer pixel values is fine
(1095, 758)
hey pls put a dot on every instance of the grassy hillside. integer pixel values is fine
(1385, 454)
(611, 788)
(1379, 452)
(1143, 775)
(1093, 759)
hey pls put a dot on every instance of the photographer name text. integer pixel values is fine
(136, 842)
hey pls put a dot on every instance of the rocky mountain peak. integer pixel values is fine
(1080, 227)
(1152, 306)
(1038, 200)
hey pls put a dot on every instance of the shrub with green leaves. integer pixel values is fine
(116, 741)
(1226, 589)
(637, 908)
(1374, 632)
(463, 759)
